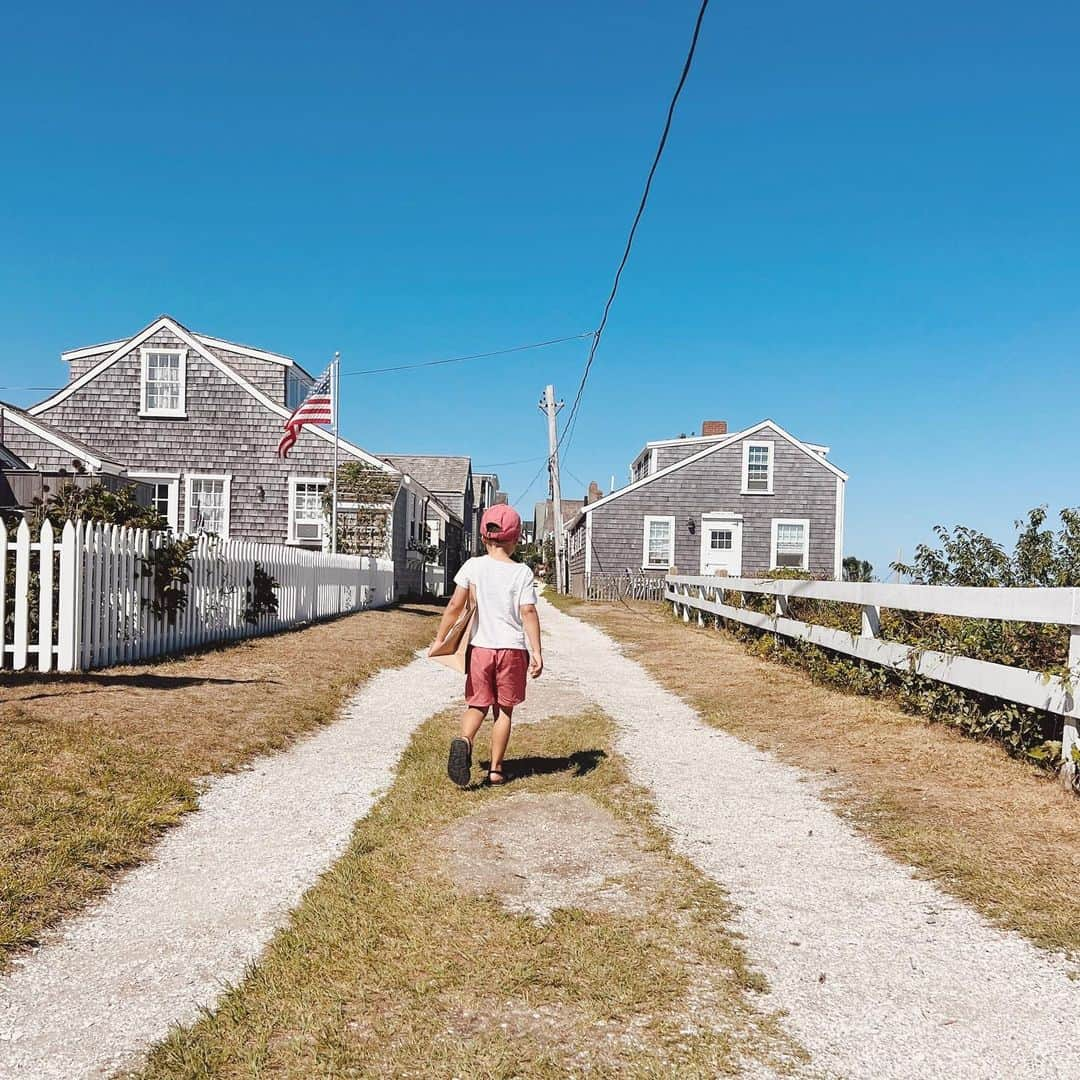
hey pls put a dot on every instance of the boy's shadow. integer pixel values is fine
(580, 763)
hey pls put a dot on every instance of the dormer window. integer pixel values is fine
(757, 472)
(164, 382)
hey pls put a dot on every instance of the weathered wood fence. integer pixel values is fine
(1055, 694)
(624, 587)
(84, 599)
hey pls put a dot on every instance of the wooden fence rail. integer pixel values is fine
(1055, 694)
(85, 599)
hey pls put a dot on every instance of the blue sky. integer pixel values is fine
(865, 226)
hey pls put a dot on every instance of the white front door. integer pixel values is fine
(721, 545)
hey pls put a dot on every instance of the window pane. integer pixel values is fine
(163, 380)
(208, 506)
(660, 538)
(720, 540)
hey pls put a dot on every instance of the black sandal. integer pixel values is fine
(459, 764)
(496, 783)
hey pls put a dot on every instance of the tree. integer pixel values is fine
(1040, 556)
(857, 569)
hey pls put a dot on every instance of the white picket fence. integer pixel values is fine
(82, 600)
(1061, 607)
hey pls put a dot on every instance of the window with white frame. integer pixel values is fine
(659, 543)
(720, 539)
(164, 497)
(207, 508)
(307, 514)
(791, 543)
(164, 379)
(757, 478)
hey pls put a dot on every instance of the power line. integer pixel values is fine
(637, 219)
(497, 464)
(536, 476)
(472, 356)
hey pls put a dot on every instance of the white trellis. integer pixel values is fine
(705, 596)
(83, 600)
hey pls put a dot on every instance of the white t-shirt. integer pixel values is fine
(501, 589)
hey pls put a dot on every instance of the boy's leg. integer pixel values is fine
(471, 721)
(500, 735)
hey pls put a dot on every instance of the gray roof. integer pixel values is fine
(53, 434)
(439, 474)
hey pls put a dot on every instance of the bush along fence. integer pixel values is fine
(91, 595)
(892, 630)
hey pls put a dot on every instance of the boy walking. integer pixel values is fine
(505, 643)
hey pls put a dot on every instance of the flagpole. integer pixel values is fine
(333, 503)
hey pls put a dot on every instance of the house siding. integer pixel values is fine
(37, 452)
(802, 488)
(668, 455)
(226, 432)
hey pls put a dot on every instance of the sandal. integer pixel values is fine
(496, 772)
(459, 764)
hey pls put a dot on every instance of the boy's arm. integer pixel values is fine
(453, 610)
(530, 621)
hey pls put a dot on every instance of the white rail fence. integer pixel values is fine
(83, 599)
(704, 595)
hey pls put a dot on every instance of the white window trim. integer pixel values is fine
(293, 482)
(173, 480)
(805, 523)
(144, 352)
(649, 519)
(226, 495)
(771, 446)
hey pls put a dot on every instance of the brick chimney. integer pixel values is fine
(595, 494)
(713, 427)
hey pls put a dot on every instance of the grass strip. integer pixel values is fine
(992, 830)
(94, 766)
(394, 966)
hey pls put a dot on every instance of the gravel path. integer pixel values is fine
(883, 976)
(177, 929)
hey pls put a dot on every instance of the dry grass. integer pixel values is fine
(990, 829)
(95, 765)
(389, 968)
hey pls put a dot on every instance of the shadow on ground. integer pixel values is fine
(579, 763)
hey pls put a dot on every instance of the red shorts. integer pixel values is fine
(496, 677)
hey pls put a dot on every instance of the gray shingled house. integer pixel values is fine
(199, 418)
(732, 504)
(450, 479)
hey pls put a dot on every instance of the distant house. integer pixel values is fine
(722, 503)
(486, 492)
(450, 480)
(199, 418)
(543, 523)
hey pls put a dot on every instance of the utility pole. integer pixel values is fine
(550, 407)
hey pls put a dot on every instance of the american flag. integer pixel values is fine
(316, 408)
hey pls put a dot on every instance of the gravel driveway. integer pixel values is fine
(883, 975)
(178, 928)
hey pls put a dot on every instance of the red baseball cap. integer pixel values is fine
(500, 523)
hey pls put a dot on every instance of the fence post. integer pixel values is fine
(783, 606)
(3, 592)
(22, 590)
(700, 613)
(1070, 737)
(871, 621)
(45, 596)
